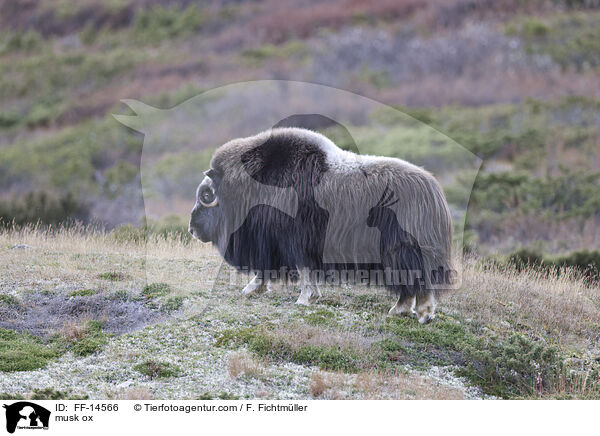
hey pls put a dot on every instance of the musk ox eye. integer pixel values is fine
(207, 197)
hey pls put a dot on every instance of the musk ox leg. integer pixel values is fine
(256, 286)
(425, 307)
(404, 306)
(307, 288)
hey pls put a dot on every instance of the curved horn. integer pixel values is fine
(211, 204)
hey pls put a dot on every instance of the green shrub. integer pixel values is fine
(441, 333)
(40, 115)
(9, 118)
(569, 39)
(9, 300)
(172, 304)
(171, 227)
(83, 293)
(155, 290)
(526, 258)
(90, 344)
(566, 195)
(159, 23)
(118, 176)
(113, 276)
(43, 208)
(176, 172)
(129, 233)
(23, 41)
(329, 358)
(585, 262)
(95, 326)
(518, 367)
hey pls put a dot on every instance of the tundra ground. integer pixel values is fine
(92, 315)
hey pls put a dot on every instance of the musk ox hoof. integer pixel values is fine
(424, 319)
(394, 311)
(303, 301)
(251, 290)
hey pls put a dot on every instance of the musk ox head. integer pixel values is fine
(207, 212)
(240, 178)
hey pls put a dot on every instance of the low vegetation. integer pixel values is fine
(85, 338)
(585, 263)
(24, 352)
(155, 369)
(510, 332)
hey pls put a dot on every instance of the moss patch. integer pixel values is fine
(24, 352)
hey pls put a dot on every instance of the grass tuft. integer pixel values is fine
(156, 369)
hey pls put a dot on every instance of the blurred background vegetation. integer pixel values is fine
(514, 81)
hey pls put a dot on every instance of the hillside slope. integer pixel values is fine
(103, 333)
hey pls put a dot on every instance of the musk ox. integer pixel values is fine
(289, 201)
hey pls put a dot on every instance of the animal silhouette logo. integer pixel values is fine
(322, 188)
(26, 415)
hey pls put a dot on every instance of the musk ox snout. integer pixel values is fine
(201, 224)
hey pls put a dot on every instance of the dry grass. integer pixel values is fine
(241, 364)
(560, 305)
(557, 309)
(318, 384)
(74, 257)
(74, 330)
(135, 393)
(373, 385)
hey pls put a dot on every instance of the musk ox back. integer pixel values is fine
(289, 200)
